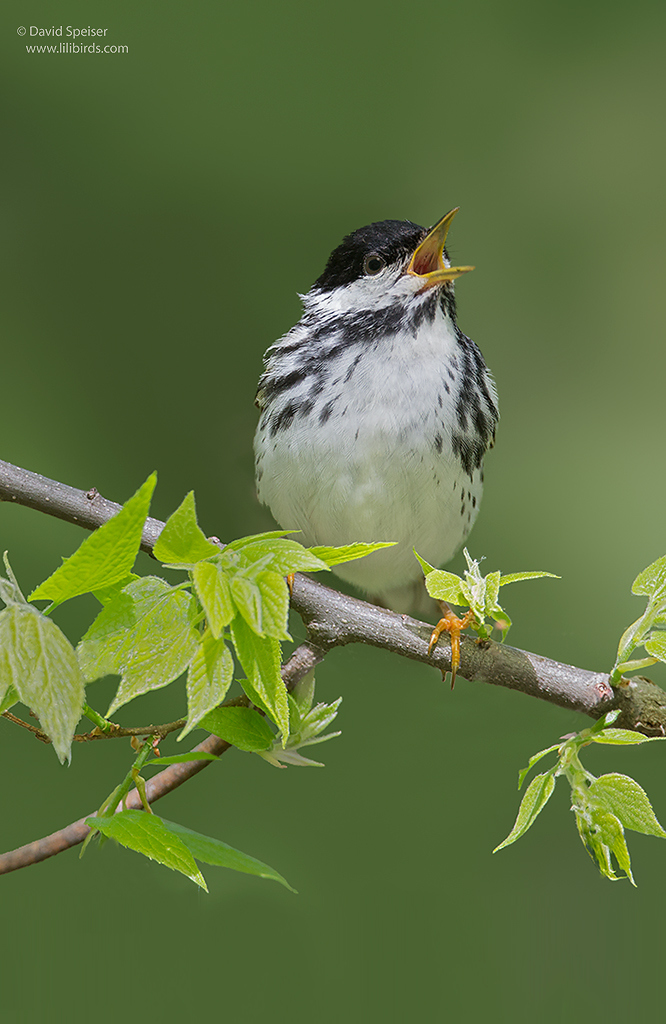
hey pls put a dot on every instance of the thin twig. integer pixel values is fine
(301, 662)
(37, 733)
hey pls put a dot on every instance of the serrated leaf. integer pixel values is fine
(426, 566)
(10, 592)
(241, 542)
(656, 646)
(242, 727)
(502, 620)
(446, 586)
(247, 598)
(621, 736)
(514, 577)
(532, 761)
(537, 795)
(632, 637)
(320, 739)
(38, 661)
(106, 556)
(318, 719)
(10, 698)
(623, 797)
(274, 604)
(182, 541)
(651, 580)
(260, 659)
(284, 556)
(217, 853)
(634, 665)
(144, 635)
(492, 591)
(282, 758)
(603, 836)
(348, 552)
(209, 676)
(193, 755)
(148, 834)
(213, 590)
(107, 594)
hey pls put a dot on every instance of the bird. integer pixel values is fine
(376, 411)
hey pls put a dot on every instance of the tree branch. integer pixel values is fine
(332, 620)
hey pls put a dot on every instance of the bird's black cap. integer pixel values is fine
(392, 239)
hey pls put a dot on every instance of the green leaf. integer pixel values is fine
(532, 761)
(106, 556)
(446, 586)
(282, 758)
(10, 592)
(632, 637)
(241, 542)
(314, 723)
(426, 566)
(182, 541)
(107, 594)
(260, 659)
(606, 720)
(285, 556)
(147, 834)
(514, 577)
(212, 586)
(209, 676)
(656, 646)
(39, 663)
(193, 755)
(247, 598)
(144, 635)
(502, 620)
(242, 727)
(603, 836)
(348, 552)
(620, 736)
(217, 853)
(651, 580)
(623, 797)
(302, 694)
(537, 795)
(634, 665)
(274, 604)
(492, 592)
(10, 698)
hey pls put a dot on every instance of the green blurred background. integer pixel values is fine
(161, 211)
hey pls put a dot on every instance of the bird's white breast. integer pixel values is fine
(373, 459)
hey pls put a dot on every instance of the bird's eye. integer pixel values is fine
(373, 264)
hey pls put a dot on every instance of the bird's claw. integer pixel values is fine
(290, 583)
(451, 624)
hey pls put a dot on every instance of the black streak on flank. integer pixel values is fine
(325, 413)
(470, 452)
(438, 443)
(282, 419)
(350, 371)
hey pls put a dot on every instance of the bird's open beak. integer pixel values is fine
(427, 262)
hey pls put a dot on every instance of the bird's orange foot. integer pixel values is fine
(290, 583)
(451, 624)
